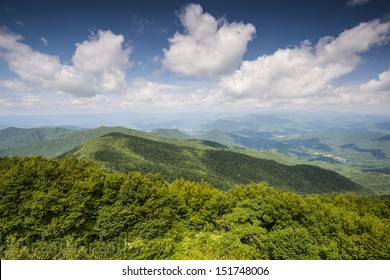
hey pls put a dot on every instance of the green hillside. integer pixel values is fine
(222, 168)
(14, 137)
(71, 209)
(53, 147)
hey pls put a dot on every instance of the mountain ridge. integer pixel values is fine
(222, 168)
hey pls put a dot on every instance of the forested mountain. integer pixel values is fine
(222, 168)
(71, 209)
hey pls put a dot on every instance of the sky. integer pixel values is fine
(68, 57)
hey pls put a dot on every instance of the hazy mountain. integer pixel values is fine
(384, 138)
(171, 133)
(219, 136)
(383, 125)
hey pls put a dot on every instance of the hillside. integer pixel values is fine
(15, 137)
(24, 142)
(28, 144)
(222, 168)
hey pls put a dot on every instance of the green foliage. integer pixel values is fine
(72, 209)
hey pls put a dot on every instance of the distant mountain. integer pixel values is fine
(171, 133)
(224, 169)
(383, 139)
(383, 125)
(219, 136)
(247, 122)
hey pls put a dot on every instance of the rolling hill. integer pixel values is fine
(212, 163)
(36, 142)
(15, 137)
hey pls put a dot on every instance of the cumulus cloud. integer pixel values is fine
(103, 59)
(208, 46)
(98, 65)
(305, 72)
(374, 92)
(380, 85)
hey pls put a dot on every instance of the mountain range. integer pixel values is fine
(226, 152)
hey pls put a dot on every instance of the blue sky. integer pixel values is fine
(108, 56)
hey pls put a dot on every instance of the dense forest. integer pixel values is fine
(73, 209)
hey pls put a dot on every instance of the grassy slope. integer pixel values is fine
(222, 168)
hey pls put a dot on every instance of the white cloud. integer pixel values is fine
(148, 92)
(99, 65)
(156, 95)
(380, 85)
(372, 95)
(209, 47)
(98, 99)
(155, 59)
(102, 58)
(31, 101)
(44, 41)
(14, 85)
(354, 3)
(300, 76)
(305, 72)
(373, 92)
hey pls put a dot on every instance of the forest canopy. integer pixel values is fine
(72, 209)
